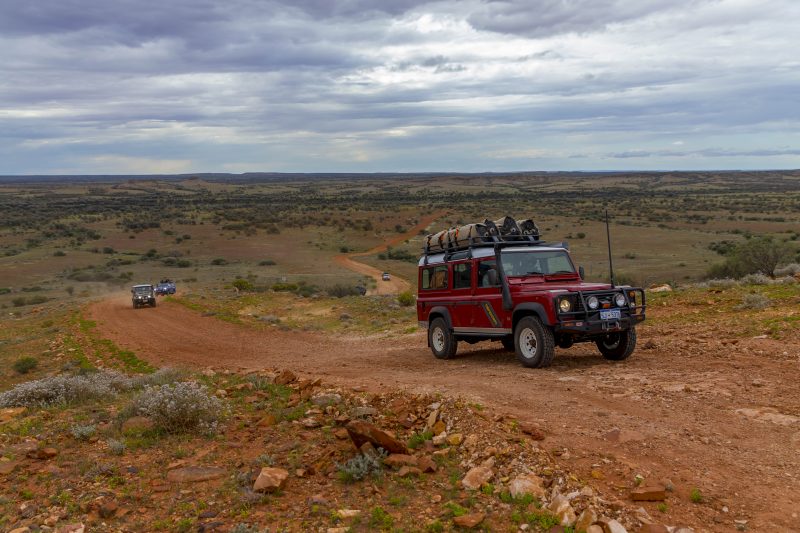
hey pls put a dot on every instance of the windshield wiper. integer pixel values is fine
(563, 272)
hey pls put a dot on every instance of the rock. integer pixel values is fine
(42, 453)
(406, 471)
(267, 421)
(526, 484)
(192, 474)
(654, 528)
(363, 412)
(649, 345)
(661, 288)
(270, 479)
(205, 515)
(648, 494)
(622, 436)
(432, 418)
(469, 520)
(438, 428)
(344, 514)
(337, 530)
(284, 378)
(9, 413)
(594, 529)
(319, 499)
(426, 464)
(397, 460)
(476, 477)
(137, 424)
(326, 399)
(340, 434)
(361, 432)
(586, 519)
(6, 467)
(20, 530)
(611, 526)
(471, 442)
(532, 430)
(561, 507)
(108, 509)
(310, 422)
(439, 440)
(455, 439)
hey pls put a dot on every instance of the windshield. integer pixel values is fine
(537, 263)
(143, 290)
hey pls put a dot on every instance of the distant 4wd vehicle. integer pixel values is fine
(385, 276)
(143, 295)
(165, 286)
(498, 281)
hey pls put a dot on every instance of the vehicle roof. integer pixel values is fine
(478, 253)
(143, 285)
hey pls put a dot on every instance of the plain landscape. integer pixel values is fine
(270, 333)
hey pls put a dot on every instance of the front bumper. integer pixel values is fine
(590, 328)
(584, 322)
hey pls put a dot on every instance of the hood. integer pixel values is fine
(538, 285)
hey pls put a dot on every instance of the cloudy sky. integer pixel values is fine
(173, 86)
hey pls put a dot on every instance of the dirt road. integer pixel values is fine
(396, 284)
(702, 410)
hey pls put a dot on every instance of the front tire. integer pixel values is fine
(441, 340)
(617, 346)
(533, 343)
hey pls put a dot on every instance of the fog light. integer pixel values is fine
(619, 299)
(593, 302)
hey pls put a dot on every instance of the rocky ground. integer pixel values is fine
(699, 429)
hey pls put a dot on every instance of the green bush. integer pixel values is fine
(219, 261)
(242, 285)
(341, 290)
(406, 299)
(267, 262)
(23, 365)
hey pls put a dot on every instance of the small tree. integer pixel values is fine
(762, 255)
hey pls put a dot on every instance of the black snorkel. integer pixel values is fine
(508, 303)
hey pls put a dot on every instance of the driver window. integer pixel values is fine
(484, 279)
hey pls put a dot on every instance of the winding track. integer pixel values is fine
(396, 284)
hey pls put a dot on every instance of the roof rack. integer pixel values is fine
(503, 232)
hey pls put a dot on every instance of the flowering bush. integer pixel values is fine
(180, 407)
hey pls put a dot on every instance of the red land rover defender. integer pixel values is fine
(498, 281)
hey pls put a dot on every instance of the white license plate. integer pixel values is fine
(612, 314)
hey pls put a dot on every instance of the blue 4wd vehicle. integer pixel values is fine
(165, 286)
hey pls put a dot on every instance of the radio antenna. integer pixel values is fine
(610, 262)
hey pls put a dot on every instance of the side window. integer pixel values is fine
(462, 276)
(484, 278)
(435, 277)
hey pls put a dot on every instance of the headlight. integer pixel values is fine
(619, 299)
(593, 302)
(565, 305)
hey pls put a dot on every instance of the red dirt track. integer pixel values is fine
(699, 410)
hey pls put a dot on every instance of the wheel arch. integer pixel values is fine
(439, 312)
(529, 309)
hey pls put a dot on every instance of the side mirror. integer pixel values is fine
(492, 273)
(581, 272)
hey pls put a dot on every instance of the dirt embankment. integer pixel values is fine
(700, 408)
(396, 284)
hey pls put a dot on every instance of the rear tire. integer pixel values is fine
(617, 346)
(441, 340)
(533, 342)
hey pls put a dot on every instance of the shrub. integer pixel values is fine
(724, 283)
(64, 390)
(361, 466)
(183, 263)
(219, 261)
(755, 279)
(242, 285)
(23, 365)
(696, 496)
(754, 301)
(406, 299)
(340, 291)
(380, 518)
(59, 253)
(761, 254)
(788, 280)
(117, 447)
(791, 269)
(82, 432)
(284, 287)
(267, 262)
(180, 407)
